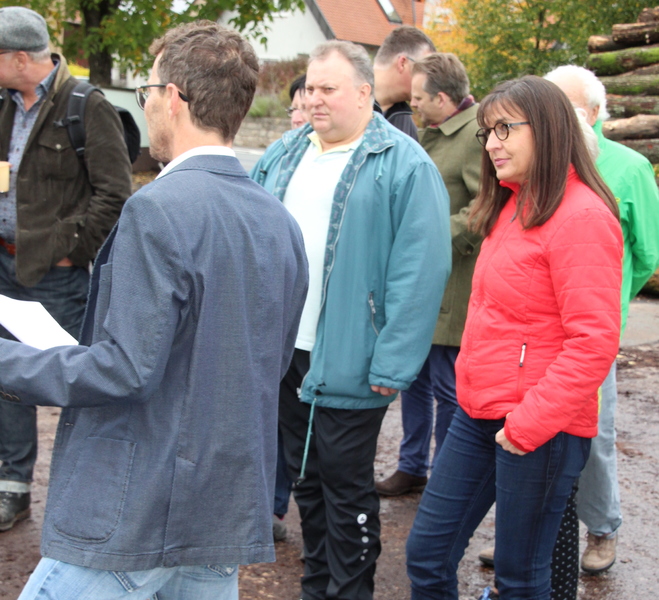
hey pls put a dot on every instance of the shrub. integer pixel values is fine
(267, 106)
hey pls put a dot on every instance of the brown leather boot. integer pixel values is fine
(400, 483)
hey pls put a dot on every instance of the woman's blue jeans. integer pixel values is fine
(472, 472)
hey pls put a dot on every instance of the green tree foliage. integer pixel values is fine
(504, 39)
(124, 29)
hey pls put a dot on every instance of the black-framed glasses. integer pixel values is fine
(501, 130)
(6, 52)
(291, 109)
(142, 93)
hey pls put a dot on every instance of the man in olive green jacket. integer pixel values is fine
(440, 94)
(56, 214)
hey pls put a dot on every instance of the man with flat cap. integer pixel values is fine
(56, 214)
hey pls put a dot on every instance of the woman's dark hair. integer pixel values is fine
(558, 142)
(298, 84)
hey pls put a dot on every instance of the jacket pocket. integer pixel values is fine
(57, 159)
(92, 499)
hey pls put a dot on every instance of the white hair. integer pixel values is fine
(593, 88)
(590, 137)
(40, 55)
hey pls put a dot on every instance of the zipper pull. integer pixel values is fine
(371, 303)
(521, 356)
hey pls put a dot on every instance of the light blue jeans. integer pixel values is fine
(598, 498)
(55, 580)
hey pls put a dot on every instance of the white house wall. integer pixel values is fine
(290, 34)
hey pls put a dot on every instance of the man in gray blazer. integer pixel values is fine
(164, 464)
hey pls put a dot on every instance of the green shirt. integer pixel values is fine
(631, 178)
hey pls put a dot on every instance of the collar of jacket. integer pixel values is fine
(376, 138)
(63, 74)
(458, 121)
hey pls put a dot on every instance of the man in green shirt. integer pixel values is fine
(631, 178)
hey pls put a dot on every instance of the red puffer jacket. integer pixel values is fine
(543, 323)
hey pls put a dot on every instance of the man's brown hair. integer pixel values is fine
(558, 143)
(444, 73)
(403, 40)
(215, 68)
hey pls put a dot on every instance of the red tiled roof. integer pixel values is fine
(363, 21)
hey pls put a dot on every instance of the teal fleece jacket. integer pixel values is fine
(387, 260)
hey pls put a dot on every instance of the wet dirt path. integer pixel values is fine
(634, 576)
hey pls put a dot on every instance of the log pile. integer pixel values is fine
(627, 63)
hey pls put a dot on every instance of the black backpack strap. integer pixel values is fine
(75, 116)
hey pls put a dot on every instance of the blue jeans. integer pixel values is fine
(598, 499)
(54, 579)
(471, 472)
(436, 381)
(63, 292)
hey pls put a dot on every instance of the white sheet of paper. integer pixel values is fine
(32, 324)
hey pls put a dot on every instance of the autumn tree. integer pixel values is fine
(502, 39)
(122, 30)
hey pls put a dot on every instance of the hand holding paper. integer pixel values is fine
(32, 324)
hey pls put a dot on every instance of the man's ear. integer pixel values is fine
(21, 59)
(364, 94)
(401, 61)
(174, 102)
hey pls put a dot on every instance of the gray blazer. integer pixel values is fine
(166, 447)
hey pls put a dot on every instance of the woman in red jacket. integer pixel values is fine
(542, 331)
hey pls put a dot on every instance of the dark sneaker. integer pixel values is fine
(400, 483)
(13, 508)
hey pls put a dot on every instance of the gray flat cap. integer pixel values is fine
(22, 29)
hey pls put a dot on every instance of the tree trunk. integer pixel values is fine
(648, 148)
(602, 43)
(649, 15)
(636, 34)
(622, 107)
(649, 70)
(100, 69)
(623, 61)
(632, 85)
(100, 62)
(636, 128)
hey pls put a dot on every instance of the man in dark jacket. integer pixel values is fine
(56, 214)
(392, 68)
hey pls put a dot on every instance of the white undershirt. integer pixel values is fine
(309, 198)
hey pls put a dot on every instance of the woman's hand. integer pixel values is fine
(505, 443)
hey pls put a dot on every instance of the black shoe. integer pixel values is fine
(401, 483)
(13, 507)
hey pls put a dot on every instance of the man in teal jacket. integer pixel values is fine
(374, 214)
(631, 179)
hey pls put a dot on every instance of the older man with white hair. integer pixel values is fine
(631, 179)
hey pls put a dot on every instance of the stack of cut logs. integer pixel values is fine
(627, 63)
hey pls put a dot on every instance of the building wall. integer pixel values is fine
(291, 34)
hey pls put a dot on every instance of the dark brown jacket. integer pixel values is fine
(65, 208)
